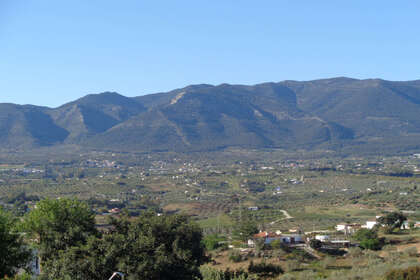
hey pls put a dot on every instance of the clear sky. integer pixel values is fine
(55, 51)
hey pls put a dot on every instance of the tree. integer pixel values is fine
(59, 224)
(158, 247)
(149, 247)
(212, 241)
(245, 229)
(14, 254)
(392, 221)
(369, 239)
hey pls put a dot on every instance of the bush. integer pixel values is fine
(369, 239)
(209, 273)
(371, 244)
(212, 242)
(411, 273)
(235, 256)
(263, 269)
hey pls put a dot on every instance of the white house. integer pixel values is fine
(370, 224)
(341, 227)
(272, 236)
(322, 238)
(348, 228)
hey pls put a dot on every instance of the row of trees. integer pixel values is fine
(70, 247)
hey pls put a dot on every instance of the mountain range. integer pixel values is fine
(334, 114)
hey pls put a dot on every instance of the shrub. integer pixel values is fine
(212, 242)
(235, 256)
(263, 269)
(369, 239)
(209, 273)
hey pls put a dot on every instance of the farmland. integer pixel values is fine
(318, 193)
(276, 193)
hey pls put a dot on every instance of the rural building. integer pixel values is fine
(271, 236)
(369, 224)
(348, 228)
(322, 238)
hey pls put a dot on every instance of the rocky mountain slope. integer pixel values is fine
(338, 113)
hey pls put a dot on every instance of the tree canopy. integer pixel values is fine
(392, 221)
(13, 253)
(146, 247)
(369, 239)
(245, 228)
(59, 224)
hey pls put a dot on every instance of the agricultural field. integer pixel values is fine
(226, 196)
(317, 193)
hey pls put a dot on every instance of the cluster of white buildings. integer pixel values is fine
(352, 228)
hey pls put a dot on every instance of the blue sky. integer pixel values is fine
(52, 52)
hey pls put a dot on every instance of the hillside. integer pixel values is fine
(339, 113)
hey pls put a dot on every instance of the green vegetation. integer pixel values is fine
(58, 225)
(147, 247)
(13, 253)
(265, 270)
(213, 241)
(369, 239)
(87, 214)
(392, 221)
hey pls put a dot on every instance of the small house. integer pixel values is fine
(369, 224)
(322, 238)
(272, 236)
(292, 238)
(348, 228)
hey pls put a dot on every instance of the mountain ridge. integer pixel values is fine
(335, 113)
